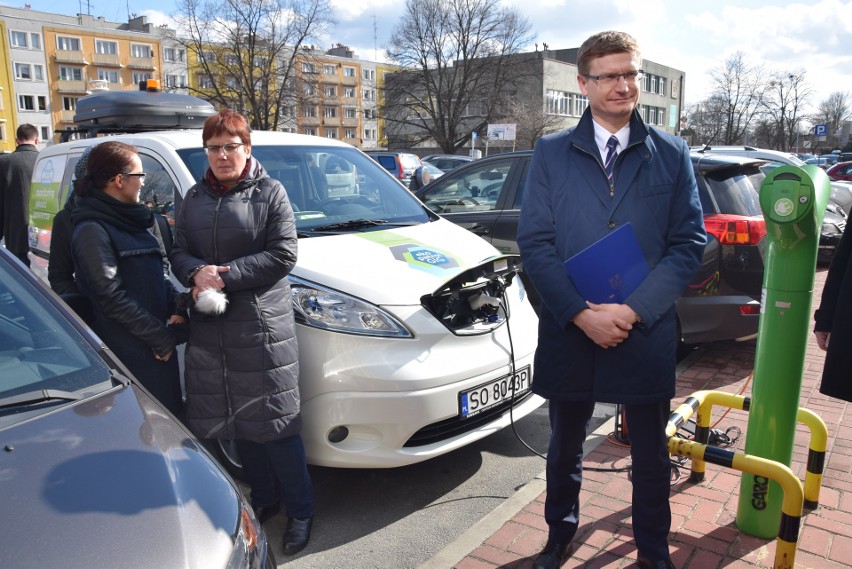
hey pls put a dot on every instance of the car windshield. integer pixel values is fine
(44, 359)
(330, 186)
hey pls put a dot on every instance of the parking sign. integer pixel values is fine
(820, 129)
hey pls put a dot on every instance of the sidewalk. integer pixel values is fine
(704, 534)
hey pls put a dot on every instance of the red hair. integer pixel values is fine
(227, 122)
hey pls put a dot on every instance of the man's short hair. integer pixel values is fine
(605, 43)
(26, 132)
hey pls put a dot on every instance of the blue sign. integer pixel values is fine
(473, 135)
(820, 129)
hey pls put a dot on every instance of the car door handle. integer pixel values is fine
(479, 229)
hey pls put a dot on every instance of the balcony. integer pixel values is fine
(349, 80)
(106, 60)
(68, 116)
(70, 56)
(310, 121)
(349, 122)
(141, 63)
(70, 86)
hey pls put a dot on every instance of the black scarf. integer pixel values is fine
(98, 206)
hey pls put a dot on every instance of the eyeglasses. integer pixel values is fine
(228, 148)
(135, 175)
(611, 79)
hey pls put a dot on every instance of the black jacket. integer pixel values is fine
(835, 315)
(16, 172)
(60, 266)
(241, 368)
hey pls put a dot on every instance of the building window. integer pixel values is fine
(108, 75)
(23, 72)
(69, 103)
(349, 72)
(330, 112)
(349, 133)
(369, 95)
(308, 67)
(661, 86)
(350, 113)
(329, 69)
(70, 73)
(64, 43)
(106, 47)
(140, 50)
(370, 134)
(349, 92)
(32, 102)
(35, 41)
(173, 54)
(45, 133)
(309, 111)
(309, 89)
(138, 77)
(38, 72)
(369, 74)
(310, 131)
(370, 114)
(331, 133)
(205, 81)
(19, 39)
(330, 91)
(176, 81)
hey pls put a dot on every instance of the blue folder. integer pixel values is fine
(610, 269)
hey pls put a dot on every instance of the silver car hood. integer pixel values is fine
(112, 481)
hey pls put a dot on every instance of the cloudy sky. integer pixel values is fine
(814, 38)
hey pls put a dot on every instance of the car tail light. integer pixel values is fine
(400, 169)
(750, 309)
(735, 229)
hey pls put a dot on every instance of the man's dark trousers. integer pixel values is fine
(651, 472)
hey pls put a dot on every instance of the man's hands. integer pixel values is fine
(607, 325)
(822, 339)
(208, 277)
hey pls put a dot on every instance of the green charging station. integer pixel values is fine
(793, 200)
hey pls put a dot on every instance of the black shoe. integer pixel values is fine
(297, 534)
(552, 556)
(263, 513)
(646, 563)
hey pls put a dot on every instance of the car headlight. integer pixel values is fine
(333, 310)
(250, 546)
(831, 229)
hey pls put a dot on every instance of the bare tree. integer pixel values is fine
(834, 111)
(456, 65)
(247, 52)
(532, 121)
(738, 96)
(784, 101)
(705, 122)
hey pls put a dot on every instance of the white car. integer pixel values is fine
(415, 336)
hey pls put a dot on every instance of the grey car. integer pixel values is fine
(94, 472)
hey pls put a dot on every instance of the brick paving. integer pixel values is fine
(704, 534)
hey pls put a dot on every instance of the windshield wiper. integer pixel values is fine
(38, 396)
(351, 224)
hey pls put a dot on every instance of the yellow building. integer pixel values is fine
(8, 122)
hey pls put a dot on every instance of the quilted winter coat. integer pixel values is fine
(241, 370)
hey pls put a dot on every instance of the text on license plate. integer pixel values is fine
(476, 400)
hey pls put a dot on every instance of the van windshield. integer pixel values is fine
(330, 186)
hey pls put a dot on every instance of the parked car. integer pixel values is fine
(723, 300)
(401, 164)
(405, 351)
(841, 193)
(820, 161)
(447, 162)
(840, 171)
(95, 472)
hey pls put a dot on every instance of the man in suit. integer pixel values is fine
(16, 172)
(577, 192)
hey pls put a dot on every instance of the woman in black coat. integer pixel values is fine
(120, 267)
(235, 232)
(833, 327)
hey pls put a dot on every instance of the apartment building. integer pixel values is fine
(8, 116)
(56, 59)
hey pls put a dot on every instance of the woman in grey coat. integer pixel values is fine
(235, 233)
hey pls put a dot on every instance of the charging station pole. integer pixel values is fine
(793, 201)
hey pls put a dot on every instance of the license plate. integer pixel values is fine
(476, 400)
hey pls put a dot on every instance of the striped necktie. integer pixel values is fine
(611, 153)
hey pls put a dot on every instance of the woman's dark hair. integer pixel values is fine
(106, 161)
(227, 122)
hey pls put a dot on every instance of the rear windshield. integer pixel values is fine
(328, 185)
(731, 191)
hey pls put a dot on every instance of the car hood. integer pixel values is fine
(112, 481)
(394, 266)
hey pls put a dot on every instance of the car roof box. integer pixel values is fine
(141, 110)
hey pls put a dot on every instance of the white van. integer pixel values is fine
(416, 337)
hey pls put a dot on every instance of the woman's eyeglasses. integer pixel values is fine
(135, 175)
(229, 149)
